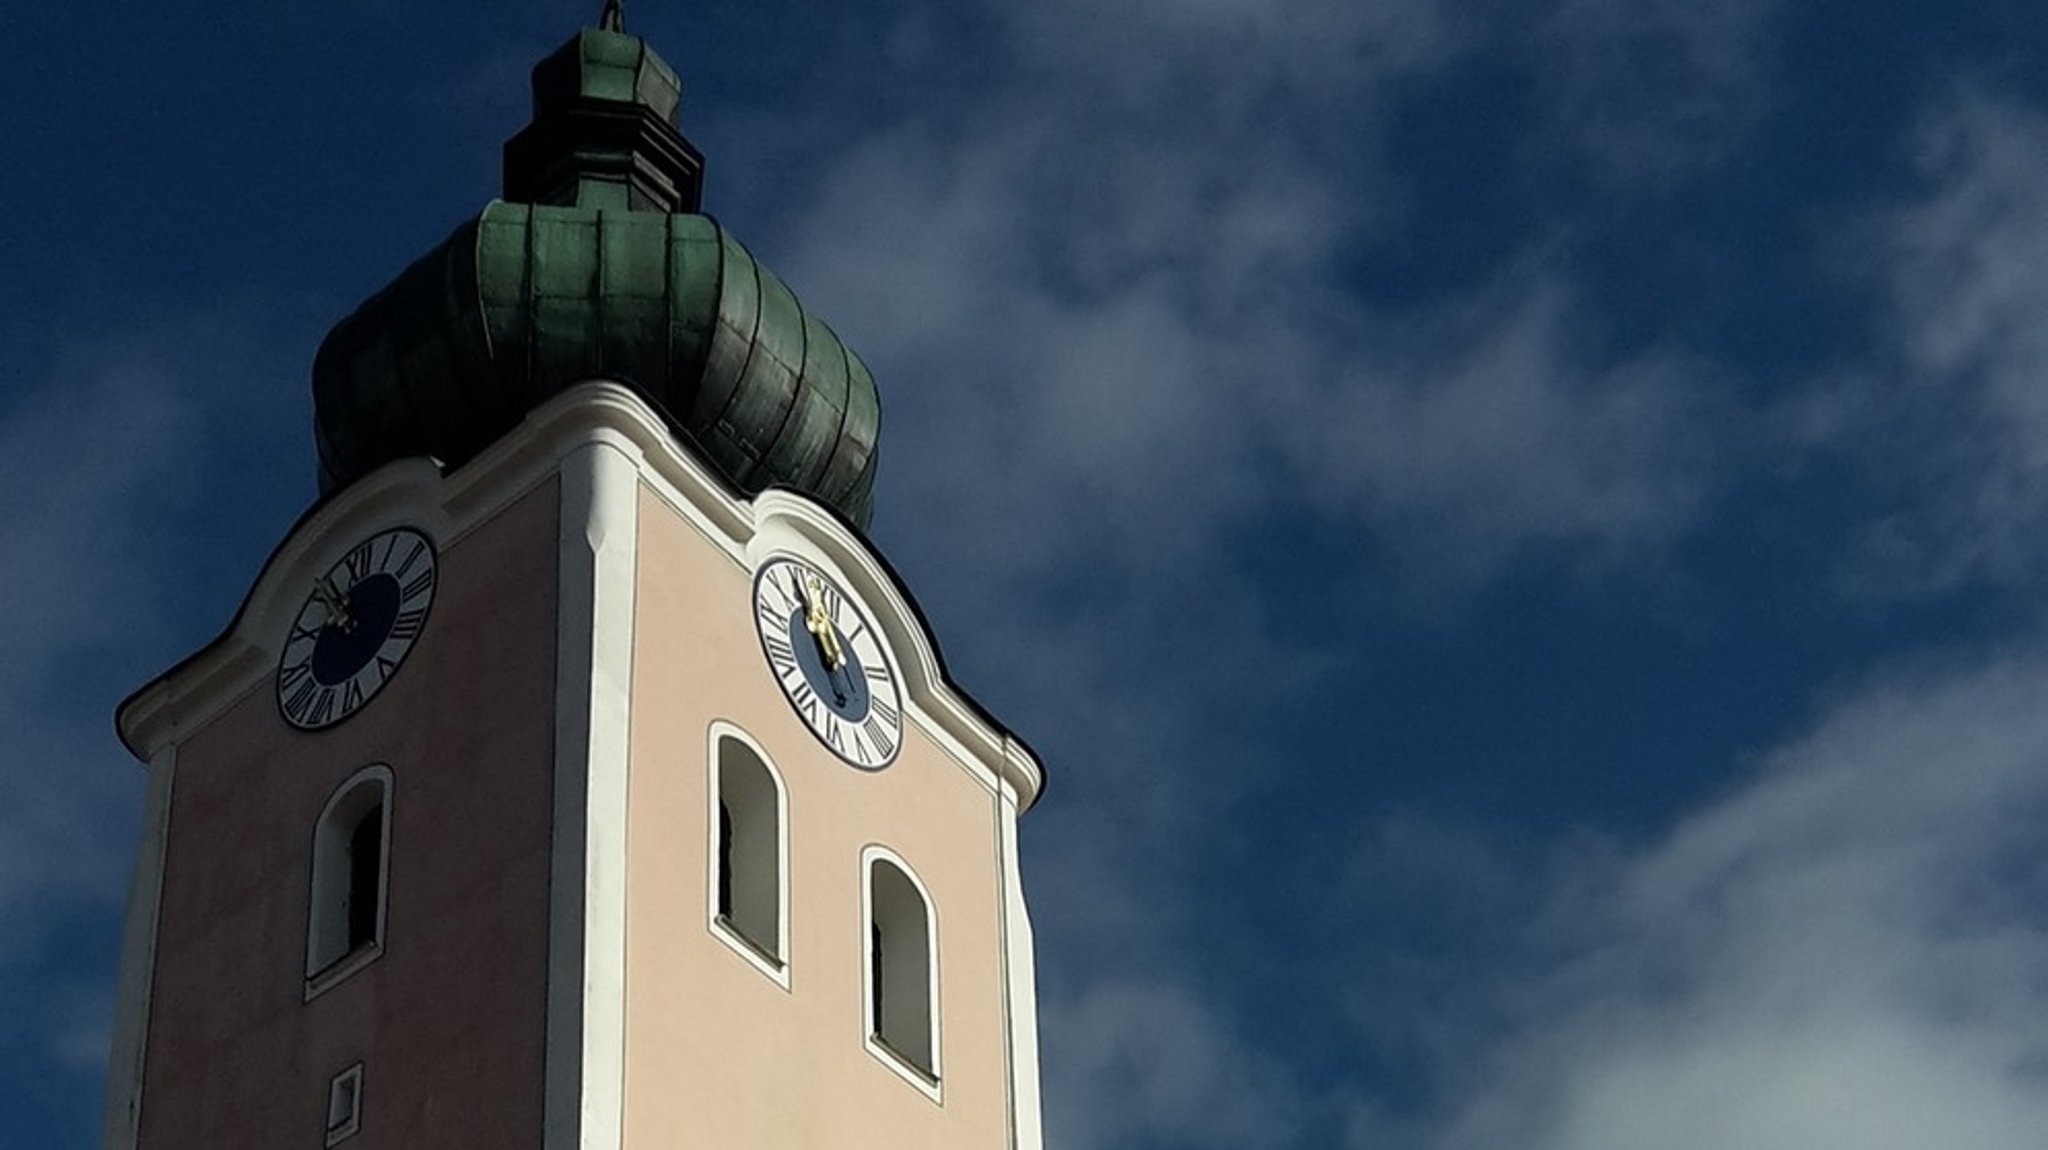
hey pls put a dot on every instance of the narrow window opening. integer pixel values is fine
(345, 914)
(902, 968)
(724, 860)
(877, 985)
(365, 876)
(749, 888)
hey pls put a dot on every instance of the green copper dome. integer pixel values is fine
(596, 265)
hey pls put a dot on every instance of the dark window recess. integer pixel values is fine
(365, 864)
(345, 907)
(724, 860)
(749, 880)
(875, 979)
(901, 987)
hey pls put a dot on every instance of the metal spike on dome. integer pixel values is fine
(613, 18)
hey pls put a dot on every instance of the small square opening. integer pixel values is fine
(345, 1105)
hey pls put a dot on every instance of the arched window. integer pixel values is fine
(902, 966)
(749, 846)
(351, 878)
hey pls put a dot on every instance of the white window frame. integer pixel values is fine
(324, 971)
(775, 966)
(928, 1083)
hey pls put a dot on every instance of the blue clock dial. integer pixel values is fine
(356, 627)
(842, 688)
(827, 656)
(340, 652)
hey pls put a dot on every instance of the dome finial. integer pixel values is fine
(604, 129)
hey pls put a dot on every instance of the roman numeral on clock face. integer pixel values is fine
(885, 713)
(301, 699)
(806, 700)
(878, 734)
(780, 653)
(419, 549)
(406, 626)
(421, 584)
(358, 562)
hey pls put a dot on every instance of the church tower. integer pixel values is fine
(576, 775)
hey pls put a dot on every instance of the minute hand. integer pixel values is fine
(819, 623)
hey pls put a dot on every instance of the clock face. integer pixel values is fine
(828, 659)
(358, 624)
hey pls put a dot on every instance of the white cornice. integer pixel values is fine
(413, 491)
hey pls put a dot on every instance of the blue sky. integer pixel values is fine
(1517, 527)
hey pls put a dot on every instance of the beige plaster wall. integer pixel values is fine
(718, 1054)
(449, 1020)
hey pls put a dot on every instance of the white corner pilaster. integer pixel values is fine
(123, 1121)
(585, 1075)
(1020, 976)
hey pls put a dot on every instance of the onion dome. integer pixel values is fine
(596, 264)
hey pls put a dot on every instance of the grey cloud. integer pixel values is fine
(1845, 952)
(1950, 419)
(1492, 432)
(1133, 1064)
(1650, 92)
(110, 565)
(1113, 340)
(1149, 345)
(81, 462)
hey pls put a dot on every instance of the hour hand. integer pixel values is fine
(338, 614)
(819, 623)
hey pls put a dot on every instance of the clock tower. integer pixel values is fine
(576, 775)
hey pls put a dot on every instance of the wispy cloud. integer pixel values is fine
(1117, 348)
(113, 559)
(1843, 952)
(81, 462)
(1651, 92)
(1117, 324)
(1109, 268)
(1136, 1065)
(1962, 412)
(1119, 334)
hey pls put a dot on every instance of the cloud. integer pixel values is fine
(1492, 427)
(1844, 952)
(77, 1020)
(1651, 92)
(1960, 418)
(1119, 330)
(1233, 49)
(1119, 338)
(81, 462)
(1141, 1064)
(112, 465)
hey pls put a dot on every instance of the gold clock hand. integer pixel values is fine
(338, 614)
(820, 626)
